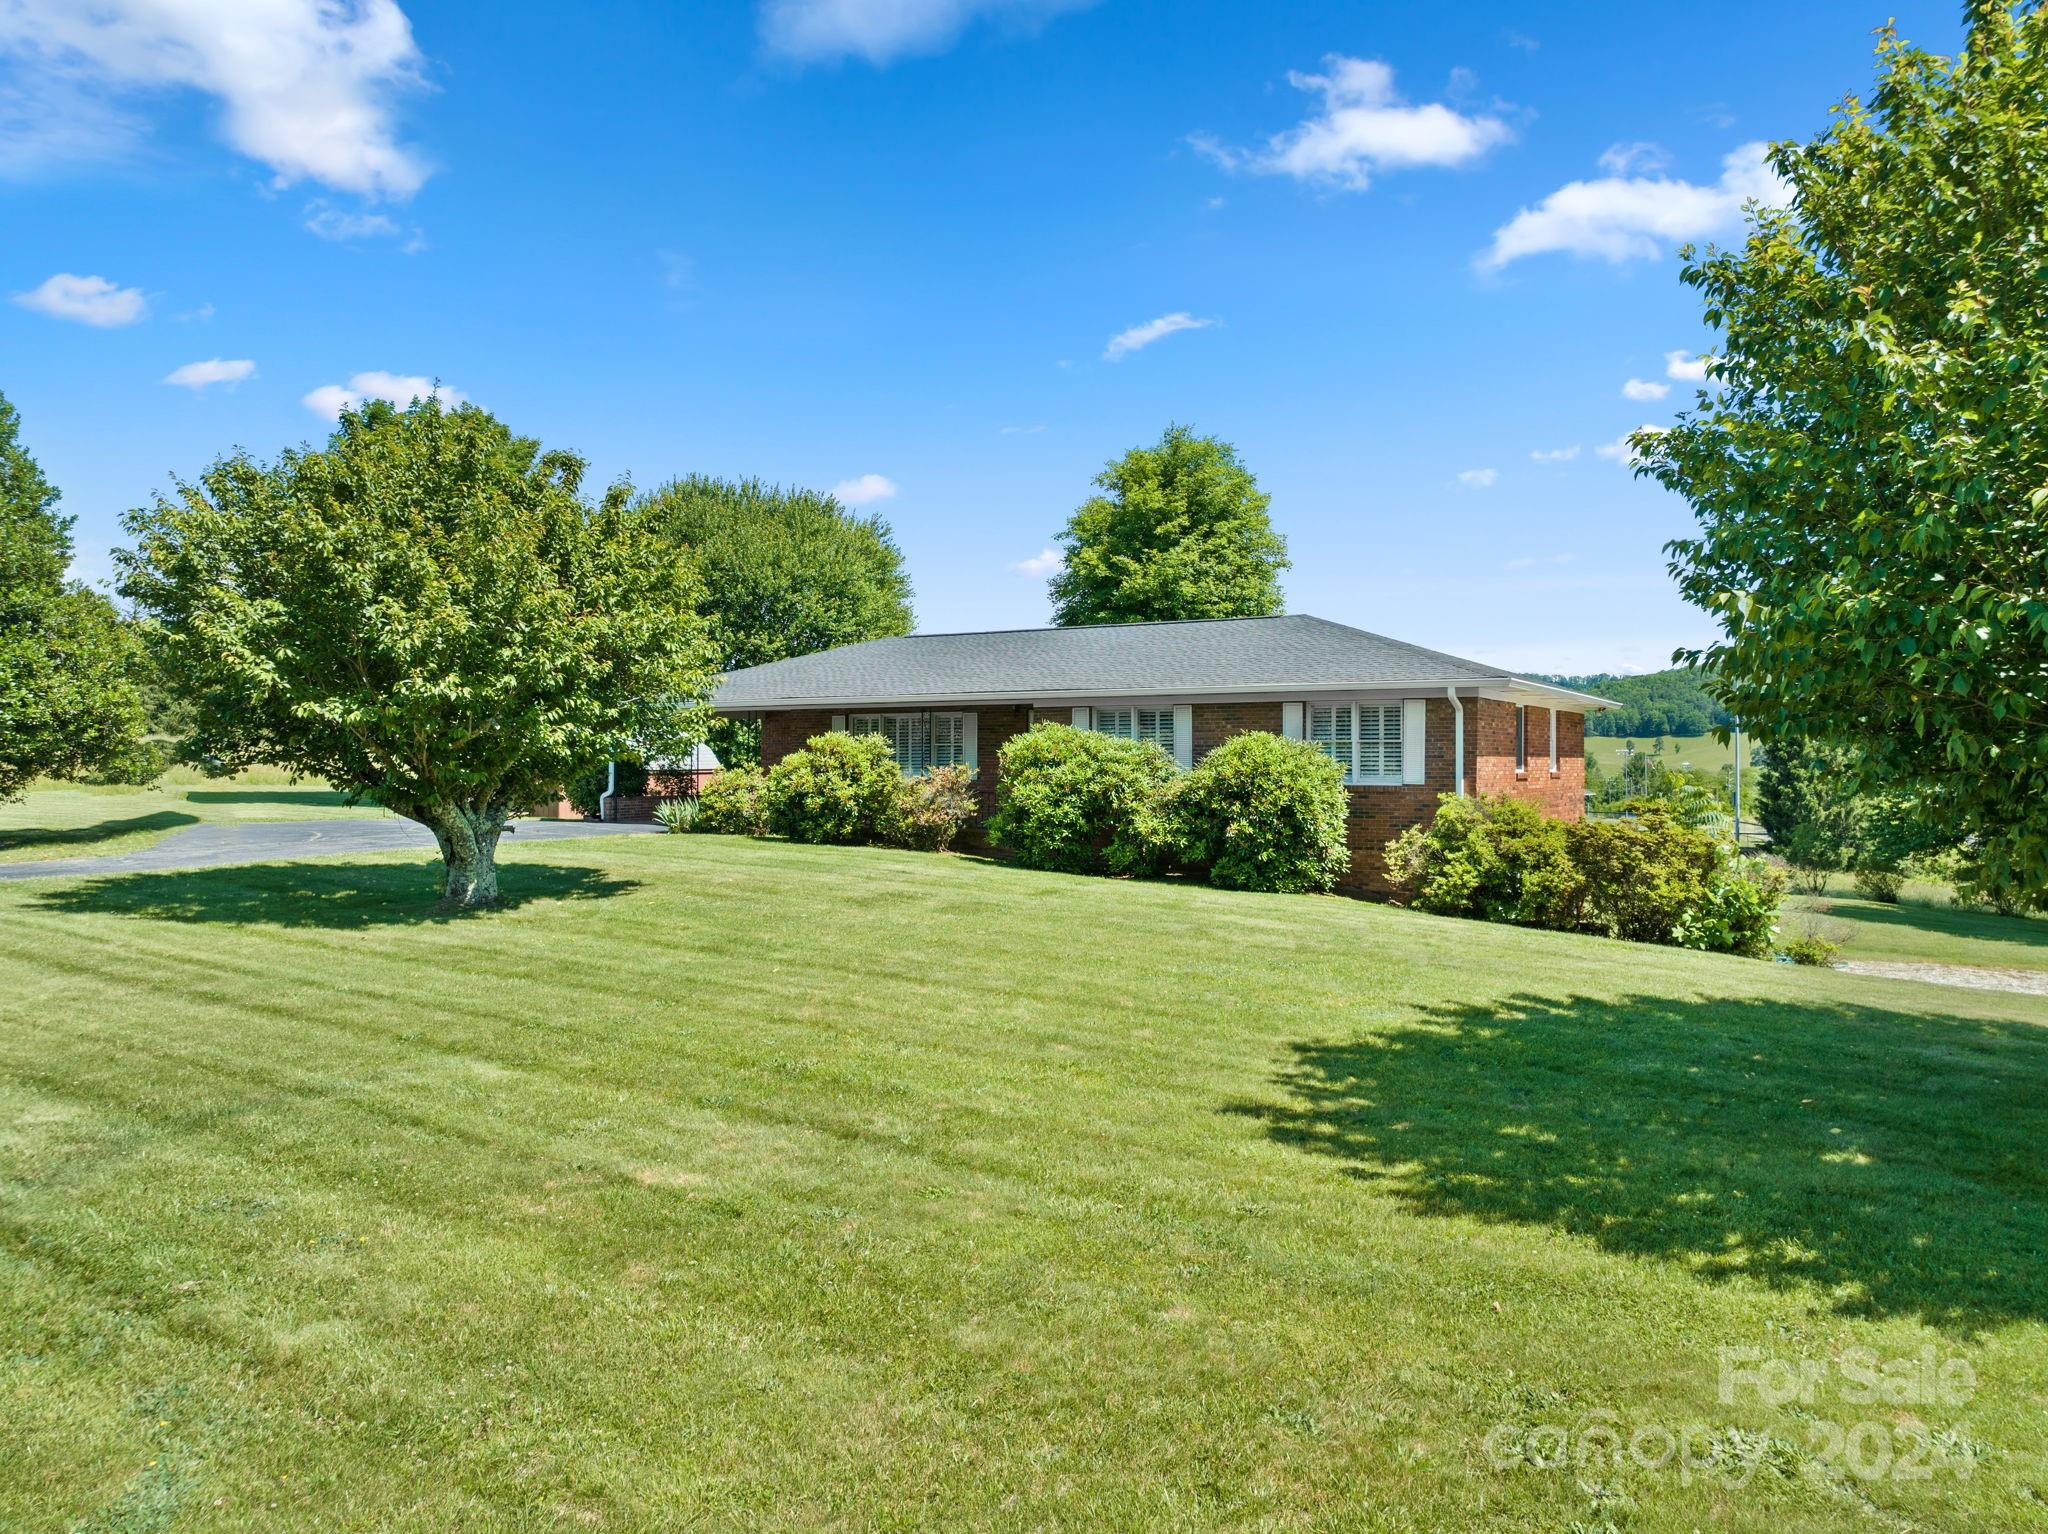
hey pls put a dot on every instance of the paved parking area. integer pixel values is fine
(214, 846)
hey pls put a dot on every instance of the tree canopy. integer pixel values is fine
(69, 699)
(1868, 466)
(427, 613)
(1671, 702)
(784, 571)
(1180, 531)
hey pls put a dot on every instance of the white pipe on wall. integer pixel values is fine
(1457, 741)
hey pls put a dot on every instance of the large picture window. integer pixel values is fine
(919, 742)
(1365, 738)
(1153, 724)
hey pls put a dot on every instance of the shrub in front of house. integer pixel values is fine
(1646, 880)
(839, 789)
(930, 809)
(1262, 813)
(1494, 859)
(734, 802)
(1078, 802)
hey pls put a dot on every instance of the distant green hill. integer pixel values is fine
(1673, 702)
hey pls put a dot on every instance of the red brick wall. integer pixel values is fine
(1378, 814)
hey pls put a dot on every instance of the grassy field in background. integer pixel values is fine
(69, 820)
(1702, 751)
(731, 1185)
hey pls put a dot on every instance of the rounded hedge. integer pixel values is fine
(1077, 802)
(839, 788)
(1262, 813)
(733, 802)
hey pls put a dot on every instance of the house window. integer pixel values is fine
(1365, 738)
(1553, 743)
(1521, 738)
(917, 741)
(1153, 724)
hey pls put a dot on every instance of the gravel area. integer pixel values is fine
(1978, 977)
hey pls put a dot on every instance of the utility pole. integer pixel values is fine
(1738, 785)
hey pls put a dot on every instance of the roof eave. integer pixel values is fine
(1504, 682)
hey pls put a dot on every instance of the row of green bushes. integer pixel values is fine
(1652, 879)
(1257, 813)
(840, 789)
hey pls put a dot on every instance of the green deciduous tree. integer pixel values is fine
(426, 612)
(70, 703)
(1870, 467)
(1180, 531)
(785, 572)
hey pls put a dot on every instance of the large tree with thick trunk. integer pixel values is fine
(429, 614)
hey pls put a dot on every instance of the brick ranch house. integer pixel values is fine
(1395, 715)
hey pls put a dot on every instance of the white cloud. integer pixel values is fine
(331, 223)
(1044, 562)
(1537, 561)
(1644, 389)
(1619, 450)
(1478, 479)
(1019, 431)
(1685, 367)
(1124, 342)
(1364, 128)
(399, 388)
(884, 30)
(89, 300)
(869, 487)
(304, 86)
(1631, 218)
(1641, 157)
(199, 375)
(1555, 454)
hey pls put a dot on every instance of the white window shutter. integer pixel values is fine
(970, 750)
(1414, 722)
(1290, 720)
(838, 721)
(1081, 719)
(1184, 734)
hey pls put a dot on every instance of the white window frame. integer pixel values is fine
(1521, 740)
(1162, 720)
(1346, 720)
(958, 751)
(1553, 743)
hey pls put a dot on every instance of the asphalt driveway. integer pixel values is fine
(213, 846)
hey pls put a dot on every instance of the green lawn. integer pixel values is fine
(1702, 751)
(729, 1185)
(68, 820)
(1923, 928)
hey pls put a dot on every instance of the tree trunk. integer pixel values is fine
(469, 848)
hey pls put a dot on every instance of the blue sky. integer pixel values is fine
(1392, 252)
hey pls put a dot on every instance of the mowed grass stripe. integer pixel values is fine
(814, 1188)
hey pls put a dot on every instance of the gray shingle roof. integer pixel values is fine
(1230, 655)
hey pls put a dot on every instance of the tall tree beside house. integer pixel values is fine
(1179, 531)
(1868, 466)
(70, 699)
(784, 571)
(428, 613)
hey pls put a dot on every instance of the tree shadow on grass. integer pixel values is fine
(1888, 1161)
(1979, 926)
(61, 837)
(318, 894)
(302, 796)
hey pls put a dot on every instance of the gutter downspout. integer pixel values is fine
(611, 787)
(1457, 741)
